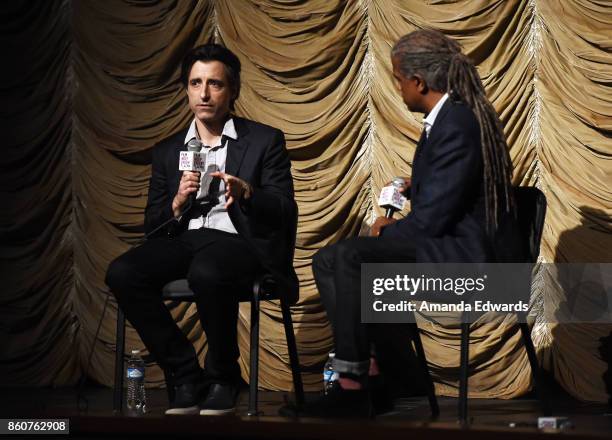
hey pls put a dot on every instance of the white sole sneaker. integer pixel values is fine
(189, 411)
(217, 412)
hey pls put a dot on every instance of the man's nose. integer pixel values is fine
(204, 93)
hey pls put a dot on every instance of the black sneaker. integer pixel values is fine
(337, 403)
(221, 399)
(184, 400)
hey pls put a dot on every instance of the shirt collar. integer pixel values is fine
(433, 114)
(229, 131)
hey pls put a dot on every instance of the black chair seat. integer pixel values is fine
(178, 290)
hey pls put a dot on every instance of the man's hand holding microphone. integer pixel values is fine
(188, 188)
(392, 198)
(193, 162)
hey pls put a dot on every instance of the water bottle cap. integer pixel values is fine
(332, 355)
(135, 352)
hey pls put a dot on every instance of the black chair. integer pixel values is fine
(264, 288)
(531, 210)
(531, 204)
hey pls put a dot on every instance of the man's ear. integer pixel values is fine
(421, 84)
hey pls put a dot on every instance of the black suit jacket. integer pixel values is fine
(267, 221)
(448, 218)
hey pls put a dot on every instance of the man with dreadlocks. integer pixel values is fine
(461, 204)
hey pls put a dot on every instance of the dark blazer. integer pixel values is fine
(267, 221)
(447, 220)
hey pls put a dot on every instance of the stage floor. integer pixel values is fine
(410, 419)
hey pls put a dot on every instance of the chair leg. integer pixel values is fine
(293, 355)
(464, 372)
(536, 371)
(420, 352)
(254, 350)
(119, 355)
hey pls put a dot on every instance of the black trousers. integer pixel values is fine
(337, 271)
(220, 269)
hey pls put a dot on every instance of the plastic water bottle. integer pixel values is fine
(136, 398)
(329, 374)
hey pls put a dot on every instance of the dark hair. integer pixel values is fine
(214, 52)
(439, 61)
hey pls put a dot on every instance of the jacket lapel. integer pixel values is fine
(441, 115)
(236, 148)
(181, 145)
(420, 143)
(424, 138)
(174, 160)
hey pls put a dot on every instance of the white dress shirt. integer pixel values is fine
(428, 122)
(216, 155)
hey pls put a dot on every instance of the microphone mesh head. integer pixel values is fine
(398, 182)
(194, 145)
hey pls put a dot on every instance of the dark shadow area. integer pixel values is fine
(583, 282)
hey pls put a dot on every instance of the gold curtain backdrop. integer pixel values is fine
(90, 86)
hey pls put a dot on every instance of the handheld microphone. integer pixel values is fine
(192, 160)
(194, 145)
(391, 198)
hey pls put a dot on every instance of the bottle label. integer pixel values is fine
(330, 376)
(135, 373)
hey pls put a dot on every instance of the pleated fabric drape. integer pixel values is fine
(89, 86)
